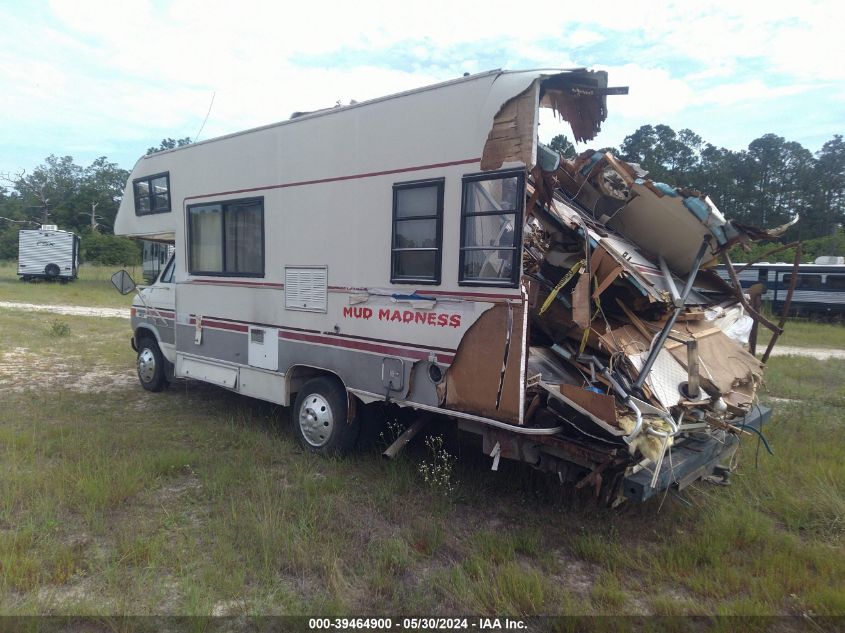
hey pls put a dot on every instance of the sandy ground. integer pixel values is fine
(22, 370)
(120, 313)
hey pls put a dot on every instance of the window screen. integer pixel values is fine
(491, 218)
(417, 232)
(227, 238)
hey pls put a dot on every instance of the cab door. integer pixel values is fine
(160, 308)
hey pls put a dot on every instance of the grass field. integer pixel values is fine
(199, 501)
(805, 333)
(92, 288)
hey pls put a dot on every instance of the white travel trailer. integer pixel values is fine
(48, 253)
(371, 253)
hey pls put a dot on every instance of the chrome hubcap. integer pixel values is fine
(316, 420)
(146, 365)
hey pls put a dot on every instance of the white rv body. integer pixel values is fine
(374, 252)
(48, 253)
(325, 182)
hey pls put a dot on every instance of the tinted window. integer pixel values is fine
(167, 275)
(804, 282)
(835, 282)
(152, 194)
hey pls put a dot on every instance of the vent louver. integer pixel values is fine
(306, 288)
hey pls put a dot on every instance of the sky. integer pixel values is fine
(90, 78)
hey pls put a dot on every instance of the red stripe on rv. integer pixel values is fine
(365, 347)
(221, 325)
(372, 174)
(333, 342)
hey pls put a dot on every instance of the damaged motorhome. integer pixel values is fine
(425, 249)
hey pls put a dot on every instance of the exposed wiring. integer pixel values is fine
(748, 427)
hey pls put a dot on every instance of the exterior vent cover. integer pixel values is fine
(306, 288)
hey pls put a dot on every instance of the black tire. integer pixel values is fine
(151, 365)
(51, 271)
(319, 417)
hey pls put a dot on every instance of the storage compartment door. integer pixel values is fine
(263, 348)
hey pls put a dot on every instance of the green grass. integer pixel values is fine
(117, 501)
(805, 333)
(92, 288)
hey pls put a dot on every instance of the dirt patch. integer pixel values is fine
(99, 379)
(116, 313)
(578, 576)
(229, 607)
(59, 598)
(22, 370)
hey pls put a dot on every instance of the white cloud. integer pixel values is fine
(99, 71)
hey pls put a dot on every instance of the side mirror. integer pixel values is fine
(123, 281)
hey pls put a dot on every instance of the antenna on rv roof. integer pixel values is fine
(213, 94)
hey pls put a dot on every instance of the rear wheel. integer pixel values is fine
(320, 417)
(151, 365)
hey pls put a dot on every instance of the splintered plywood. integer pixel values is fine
(600, 405)
(473, 381)
(512, 137)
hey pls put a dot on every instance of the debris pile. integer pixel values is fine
(635, 344)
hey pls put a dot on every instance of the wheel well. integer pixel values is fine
(298, 375)
(145, 332)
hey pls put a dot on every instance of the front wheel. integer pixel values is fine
(151, 365)
(320, 417)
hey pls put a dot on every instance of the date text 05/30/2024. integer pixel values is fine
(418, 624)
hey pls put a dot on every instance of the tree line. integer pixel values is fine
(75, 198)
(764, 185)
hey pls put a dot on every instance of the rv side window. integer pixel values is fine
(152, 194)
(491, 227)
(417, 232)
(227, 239)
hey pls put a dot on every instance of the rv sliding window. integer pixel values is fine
(417, 232)
(226, 239)
(152, 194)
(491, 229)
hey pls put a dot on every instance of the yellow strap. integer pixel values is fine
(566, 279)
(584, 338)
